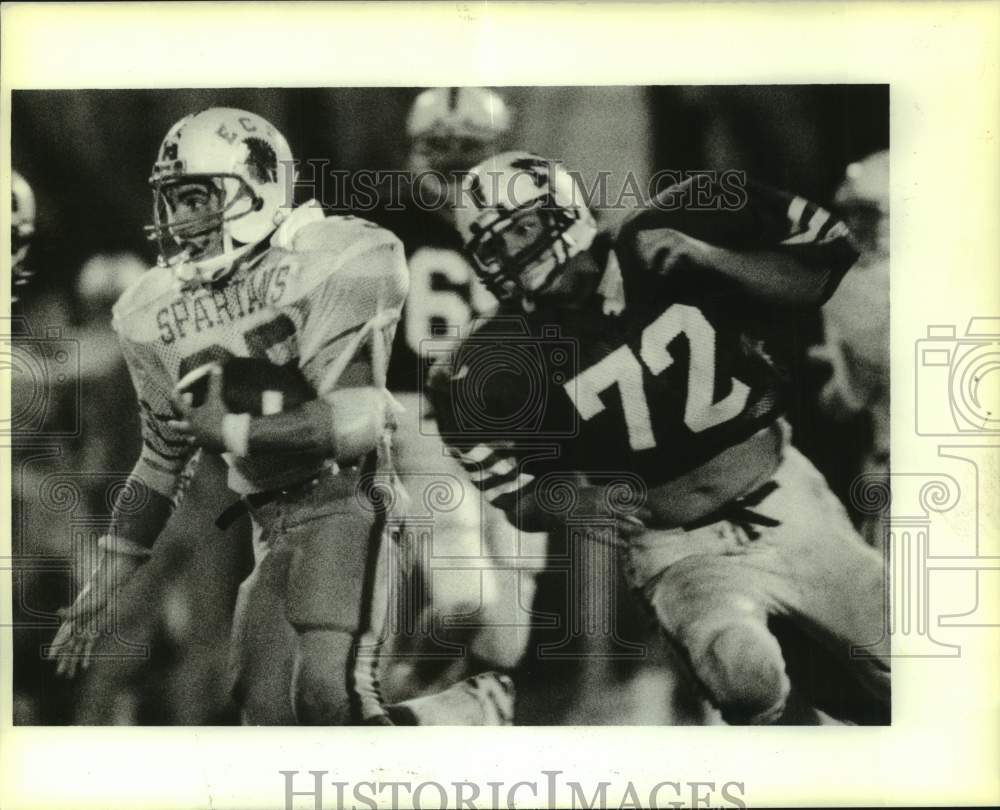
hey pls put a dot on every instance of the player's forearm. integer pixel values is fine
(526, 514)
(774, 276)
(304, 429)
(140, 513)
(345, 425)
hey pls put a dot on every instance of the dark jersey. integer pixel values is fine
(445, 294)
(653, 384)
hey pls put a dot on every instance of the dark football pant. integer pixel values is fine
(794, 555)
(310, 619)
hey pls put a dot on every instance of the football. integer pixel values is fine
(253, 386)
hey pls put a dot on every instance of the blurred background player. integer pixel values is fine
(856, 323)
(477, 610)
(22, 230)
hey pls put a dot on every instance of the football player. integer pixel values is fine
(22, 229)
(263, 335)
(646, 406)
(856, 320)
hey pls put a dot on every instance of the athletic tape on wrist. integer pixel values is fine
(236, 433)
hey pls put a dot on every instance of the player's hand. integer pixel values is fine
(84, 620)
(664, 250)
(202, 424)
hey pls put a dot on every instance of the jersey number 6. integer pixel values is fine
(622, 368)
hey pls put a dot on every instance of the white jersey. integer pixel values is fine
(303, 298)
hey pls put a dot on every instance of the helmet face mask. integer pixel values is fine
(189, 214)
(525, 248)
(522, 219)
(219, 188)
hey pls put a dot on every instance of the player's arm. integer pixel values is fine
(344, 425)
(773, 246)
(350, 319)
(509, 477)
(141, 510)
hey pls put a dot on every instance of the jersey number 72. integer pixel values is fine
(622, 368)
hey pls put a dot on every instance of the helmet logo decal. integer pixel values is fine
(537, 168)
(225, 134)
(262, 162)
(170, 150)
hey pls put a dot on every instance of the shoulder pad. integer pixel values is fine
(347, 251)
(339, 234)
(130, 312)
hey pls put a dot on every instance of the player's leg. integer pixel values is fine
(793, 554)
(341, 582)
(824, 576)
(336, 597)
(716, 615)
(263, 642)
(714, 590)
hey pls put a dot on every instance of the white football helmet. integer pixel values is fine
(246, 163)
(452, 122)
(22, 227)
(522, 217)
(451, 129)
(863, 200)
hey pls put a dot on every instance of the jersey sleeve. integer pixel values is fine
(165, 452)
(493, 463)
(742, 216)
(350, 305)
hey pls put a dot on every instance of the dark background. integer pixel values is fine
(88, 154)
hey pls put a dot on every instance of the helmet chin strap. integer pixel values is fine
(211, 270)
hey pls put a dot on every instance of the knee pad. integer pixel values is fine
(744, 672)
